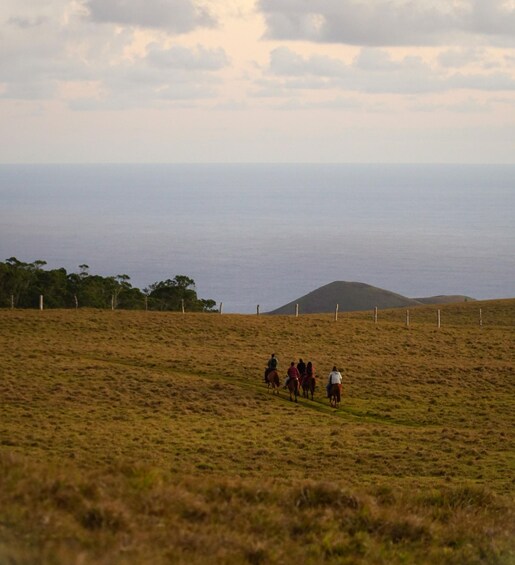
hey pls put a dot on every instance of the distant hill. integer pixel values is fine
(353, 296)
(445, 299)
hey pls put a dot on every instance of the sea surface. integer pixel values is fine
(268, 234)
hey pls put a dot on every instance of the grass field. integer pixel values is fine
(145, 437)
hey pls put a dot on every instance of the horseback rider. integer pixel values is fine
(271, 365)
(335, 378)
(293, 373)
(310, 370)
(301, 366)
(273, 362)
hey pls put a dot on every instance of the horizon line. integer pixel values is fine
(327, 163)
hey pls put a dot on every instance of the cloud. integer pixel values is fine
(489, 82)
(492, 18)
(34, 90)
(372, 71)
(460, 57)
(178, 57)
(284, 61)
(41, 51)
(176, 16)
(56, 54)
(467, 106)
(161, 74)
(388, 22)
(26, 22)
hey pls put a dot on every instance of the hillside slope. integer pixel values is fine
(445, 299)
(139, 437)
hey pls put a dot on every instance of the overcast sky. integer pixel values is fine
(257, 81)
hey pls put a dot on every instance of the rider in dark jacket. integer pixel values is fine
(301, 366)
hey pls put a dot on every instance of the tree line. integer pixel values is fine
(21, 285)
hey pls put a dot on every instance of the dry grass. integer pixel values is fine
(133, 437)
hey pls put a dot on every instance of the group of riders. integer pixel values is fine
(303, 374)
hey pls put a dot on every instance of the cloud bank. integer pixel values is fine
(177, 16)
(389, 22)
(374, 70)
(241, 70)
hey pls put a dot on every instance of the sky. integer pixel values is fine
(172, 81)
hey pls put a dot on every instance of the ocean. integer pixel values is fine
(267, 234)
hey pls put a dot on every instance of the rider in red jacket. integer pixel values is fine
(293, 373)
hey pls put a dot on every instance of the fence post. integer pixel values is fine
(407, 318)
(182, 305)
(336, 313)
(296, 310)
(480, 318)
(146, 303)
(221, 307)
(375, 315)
(257, 310)
(439, 319)
(76, 301)
(41, 302)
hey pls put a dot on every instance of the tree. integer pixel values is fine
(171, 294)
(18, 277)
(25, 282)
(208, 305)
(124, 295)
(53, 285)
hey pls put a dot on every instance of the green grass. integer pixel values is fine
(133, 437)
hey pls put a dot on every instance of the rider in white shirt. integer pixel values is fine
(335, 378)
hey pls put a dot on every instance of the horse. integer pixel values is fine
(335, 395)
(293, 388)
(309, 383)
(273, 381)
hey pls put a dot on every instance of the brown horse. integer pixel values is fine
(309, 384)
(273, 381)
(335, 395)
(293, 388)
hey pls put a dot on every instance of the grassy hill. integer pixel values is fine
(356, 296)
(444, 299)
(133, 437)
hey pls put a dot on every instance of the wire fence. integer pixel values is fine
(479, 314)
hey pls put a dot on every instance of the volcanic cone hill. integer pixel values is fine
(353, 296)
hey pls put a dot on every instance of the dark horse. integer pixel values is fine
(309, 382)
(335, 395)
(293, 387)
(273, 381)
